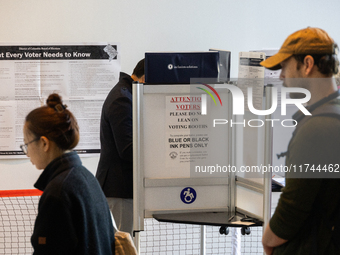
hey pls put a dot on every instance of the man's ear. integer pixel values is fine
(45, 143)
(308, 64)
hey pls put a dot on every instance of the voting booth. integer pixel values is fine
(191, 151)
(200, 147)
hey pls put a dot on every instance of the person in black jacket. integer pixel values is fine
(73, 214)
(114, 171)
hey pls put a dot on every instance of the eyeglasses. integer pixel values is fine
(24, 146)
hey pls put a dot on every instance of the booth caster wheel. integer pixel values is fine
(224, 230)
(245, 230)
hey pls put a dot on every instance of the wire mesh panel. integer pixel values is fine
(18, 210)
(223, 244)
(251, 244)
(217, 243)
(169, 238)
(162, 238)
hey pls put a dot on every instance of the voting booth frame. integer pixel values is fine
(161, 175)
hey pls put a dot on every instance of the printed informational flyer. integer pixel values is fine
(186, 130)
(271, 75)
(83, 74)
(251, 75)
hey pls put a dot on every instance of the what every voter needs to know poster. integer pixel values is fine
(83, 74)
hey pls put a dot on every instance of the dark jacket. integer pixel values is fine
(73, 215)
(114, 171)
(308, 212)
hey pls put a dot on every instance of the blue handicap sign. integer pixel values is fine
(188, 195)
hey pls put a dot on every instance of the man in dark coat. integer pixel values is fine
(115, 173)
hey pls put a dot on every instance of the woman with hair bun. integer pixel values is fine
(73, 215)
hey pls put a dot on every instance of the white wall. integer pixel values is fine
(156, 25)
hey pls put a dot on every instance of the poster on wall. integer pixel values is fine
(82, 73)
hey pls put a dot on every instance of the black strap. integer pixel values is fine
(298, 116)
(282, 154)
(321, 108)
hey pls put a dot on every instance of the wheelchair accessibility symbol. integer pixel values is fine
(188, 195)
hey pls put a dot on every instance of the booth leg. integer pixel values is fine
(203, 240)
(236, 241)
(136, 241)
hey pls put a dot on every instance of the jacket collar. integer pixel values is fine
(56, 167)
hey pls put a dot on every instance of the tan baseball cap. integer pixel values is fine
(306, 41)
